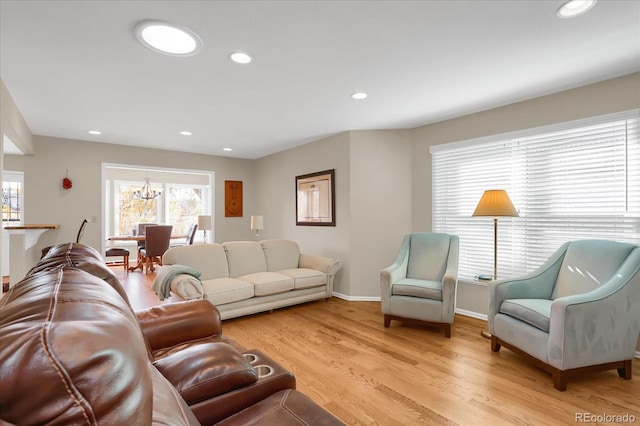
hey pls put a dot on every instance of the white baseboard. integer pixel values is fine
(356, 298)
(471, 314)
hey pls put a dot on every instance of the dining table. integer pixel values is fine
(138, 238)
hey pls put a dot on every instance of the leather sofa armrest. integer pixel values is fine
(323, 264)
(206, 370)
(213, 410)
(170, 324)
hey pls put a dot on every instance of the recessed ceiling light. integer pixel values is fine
(95, 132)
(240, 58)
(227, 149)
(186, 133)
(574, 8)
(167, 38)
(359, 95)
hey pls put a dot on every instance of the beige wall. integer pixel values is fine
(12, 126)
(373, 202)
(276, 192)
(616, 95)
(381, 190)
(47, 202)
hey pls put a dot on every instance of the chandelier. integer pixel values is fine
(146, 193)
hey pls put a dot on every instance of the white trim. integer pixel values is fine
(537, 130)
(471, 314)
(356, 298)
(637, 354)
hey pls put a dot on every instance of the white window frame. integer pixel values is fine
(500, 163)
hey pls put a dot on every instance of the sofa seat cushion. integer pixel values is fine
(424, 289)
(266, 283)
(532, 311)
(226, 290)
(206, 370)
(305, 278)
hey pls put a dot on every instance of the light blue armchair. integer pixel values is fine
(577, 313)
(421, 284)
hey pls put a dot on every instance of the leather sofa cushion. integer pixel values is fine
(245, 257)
(61, 330)
(206, 370)
(82, 257)
(417, 288)
(281, 254)
(168, 407)
(285, 408)
(226, 290)
(266, 283)
(532, 311)
(305, 278)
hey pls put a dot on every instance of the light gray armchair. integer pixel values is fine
(421, 284)
(577, 313)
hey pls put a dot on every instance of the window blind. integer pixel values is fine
(573, 181)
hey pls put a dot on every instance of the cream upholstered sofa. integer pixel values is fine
(246, 277)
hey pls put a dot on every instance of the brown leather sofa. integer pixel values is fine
(72, 351)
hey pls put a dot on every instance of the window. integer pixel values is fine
(184, 195)
(12, 197)
(579, 180)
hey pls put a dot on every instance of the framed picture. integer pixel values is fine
(315, 199)
(233, 198)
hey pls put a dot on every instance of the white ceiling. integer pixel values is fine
(72, 66)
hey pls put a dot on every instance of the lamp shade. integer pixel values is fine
(204, 223)
(495, 202)
(257, 222)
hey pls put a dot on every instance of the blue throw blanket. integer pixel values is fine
(162, 284)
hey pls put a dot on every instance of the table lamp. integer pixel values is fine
(204, 224)
(257, 223)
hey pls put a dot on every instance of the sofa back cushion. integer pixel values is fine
(428, 254)
(82, 257)
(281, 254)
(72, 331)
(209, 259)
(588, 264)
(244, 258)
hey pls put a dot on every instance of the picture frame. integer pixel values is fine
(315, 199)
(232, 198)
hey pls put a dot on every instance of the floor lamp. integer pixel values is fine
(495, 202)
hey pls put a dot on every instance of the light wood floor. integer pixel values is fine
(346, 361)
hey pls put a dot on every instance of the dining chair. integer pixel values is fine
(157, 239)
(140, 230)
(191, 234)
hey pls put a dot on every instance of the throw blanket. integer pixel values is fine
(162, 284)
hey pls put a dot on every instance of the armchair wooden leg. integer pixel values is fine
(387, 320)
(625, 372)
(495, 346)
